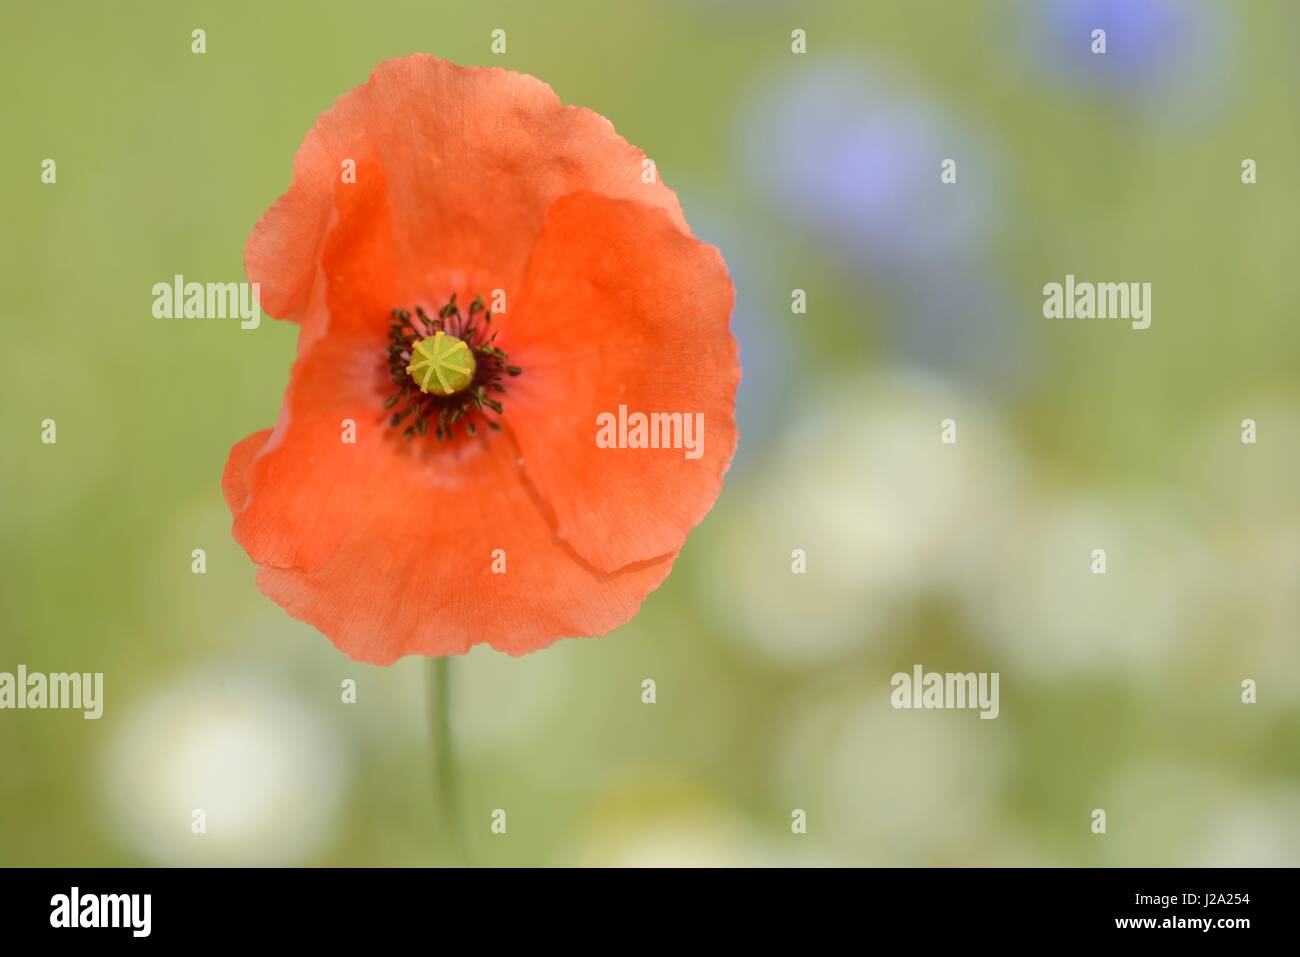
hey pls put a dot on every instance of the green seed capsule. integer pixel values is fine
(442, 364)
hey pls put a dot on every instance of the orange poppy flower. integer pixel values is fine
(482, 276)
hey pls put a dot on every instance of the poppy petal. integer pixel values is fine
(333, 423)
(445, 551)
(471, 157)
(234, 480)
(621, 311)
(330, 434)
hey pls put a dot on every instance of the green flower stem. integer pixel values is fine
(451, 836)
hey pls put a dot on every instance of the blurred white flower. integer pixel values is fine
(1037, 600)
(883, 510)
(1261, 830)
(654, 817)
(1161, 814)
(697, 840)
(265, 771)
(887, 787)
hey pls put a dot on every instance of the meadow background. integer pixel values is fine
(816, 171)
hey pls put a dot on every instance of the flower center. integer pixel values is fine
(442, 364)
(445, 370)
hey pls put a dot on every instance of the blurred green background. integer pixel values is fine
(818, 172)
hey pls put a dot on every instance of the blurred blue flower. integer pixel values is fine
(1170, 52)
(769, 352)
(855, 160)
